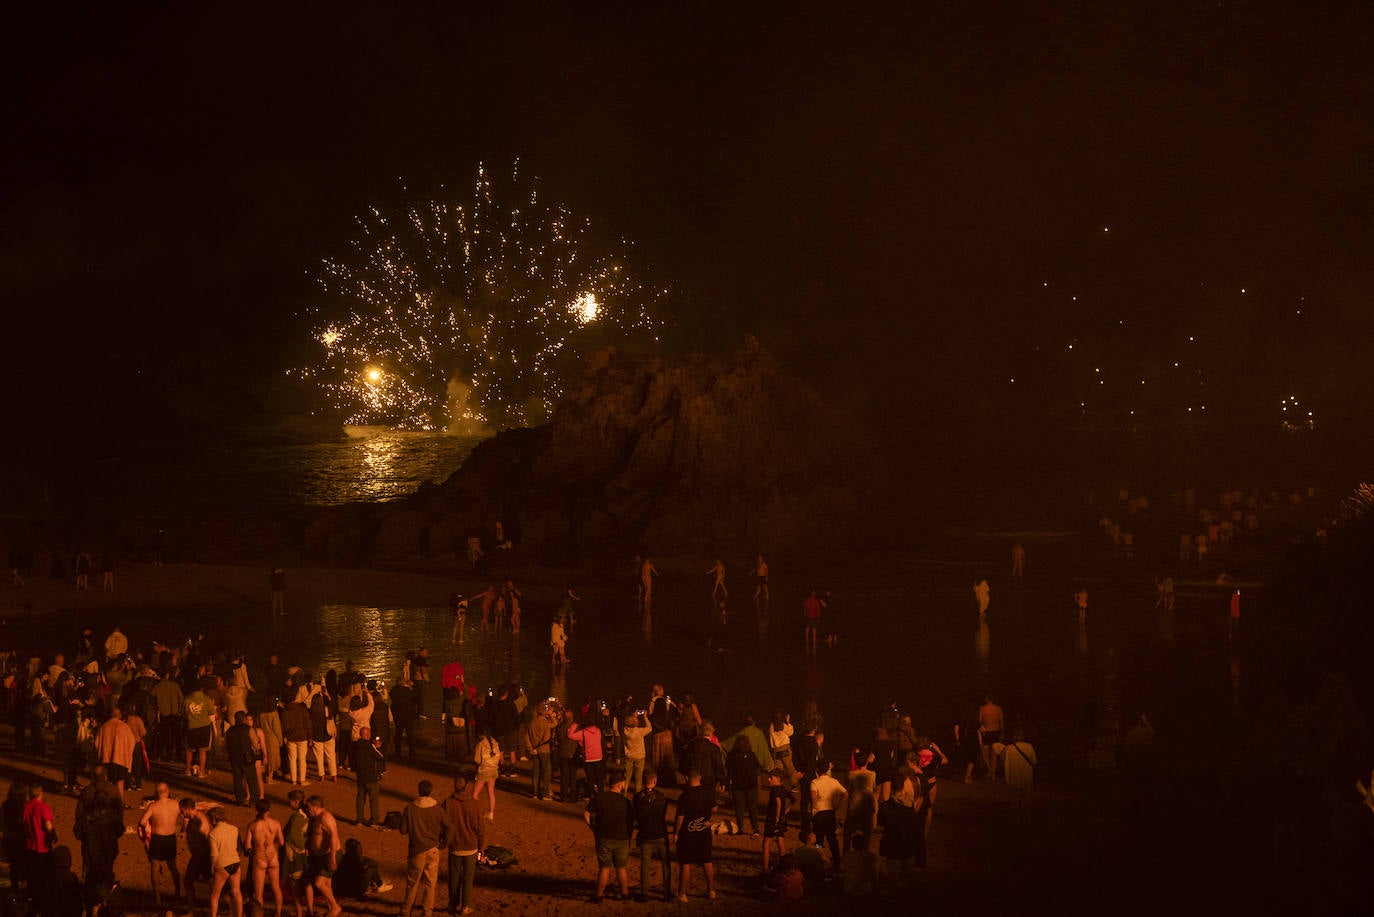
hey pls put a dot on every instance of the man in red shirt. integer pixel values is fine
(39, 835)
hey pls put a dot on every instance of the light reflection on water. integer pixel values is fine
(1042, 665)
(383, 465)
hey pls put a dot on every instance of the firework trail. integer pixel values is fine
(471, 314)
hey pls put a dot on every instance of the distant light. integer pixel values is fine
(1242, 289)
(1045, 284)
(1106, 229)
(1190, 337)
(1011, 380)
(374, 375)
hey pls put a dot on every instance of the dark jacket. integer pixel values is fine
(403, 708)
(369, 762)
(651, 814)
(320, 715)
(707, 758)
(295, 722)
(381, 724)
(744, 768)
(238, 744)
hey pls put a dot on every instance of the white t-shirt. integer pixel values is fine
(826, 791)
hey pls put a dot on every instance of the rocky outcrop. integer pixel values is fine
(700, 455)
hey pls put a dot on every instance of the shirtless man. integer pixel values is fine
(322, 855)
(989, 733)
(487, 596)
(158, 829)
(719, 586)
(264, 843)
(647, 572)
(196, 827)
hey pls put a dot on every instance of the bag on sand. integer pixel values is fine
(495, 857)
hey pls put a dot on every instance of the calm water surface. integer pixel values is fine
(917, 642)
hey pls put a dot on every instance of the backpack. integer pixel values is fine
(495, 857)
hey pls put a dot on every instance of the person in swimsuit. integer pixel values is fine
(322, 855)
(460, 618)
(264, 845)
(158, 829)
(225, 861)
(718, 589)
(647, 572)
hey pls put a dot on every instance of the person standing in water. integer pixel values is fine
(1080, 598)
(982, 595)
(718, 590)
(647, 572)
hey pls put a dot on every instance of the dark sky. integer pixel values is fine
(882, 197)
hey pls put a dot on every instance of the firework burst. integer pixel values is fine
(471, 313)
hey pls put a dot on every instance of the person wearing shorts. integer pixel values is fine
(611, 817)
(694, 809)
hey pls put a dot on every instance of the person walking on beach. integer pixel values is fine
(200, 720)
(1080, 599)
(158, 831)
(465, 841)
(264, 844)
(425, 824)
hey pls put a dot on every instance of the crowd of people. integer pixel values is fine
(654, 776)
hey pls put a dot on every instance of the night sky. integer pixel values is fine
(902, 206)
